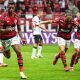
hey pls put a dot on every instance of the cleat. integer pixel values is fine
(55, 60)
(66, 68)
(22, 75)
(33, 57)
(39, 56)
(71, 69)
(3, 65)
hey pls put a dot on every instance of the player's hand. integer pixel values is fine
(24, 41)
(47, 30)
(50, 21)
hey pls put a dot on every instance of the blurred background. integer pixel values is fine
(51, 8)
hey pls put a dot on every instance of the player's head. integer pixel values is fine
(11, 6)
(68, 19)
(40, 12)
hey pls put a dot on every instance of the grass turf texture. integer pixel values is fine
(41, 68)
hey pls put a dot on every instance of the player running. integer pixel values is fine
(8, 35)
(64, 35)
(76, 56)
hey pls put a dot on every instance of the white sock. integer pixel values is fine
(39, 50)
(1, 57)
(21, 73)
(34, 51)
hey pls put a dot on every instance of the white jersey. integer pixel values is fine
(36, 29)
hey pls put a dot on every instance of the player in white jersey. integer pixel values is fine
(37, 26)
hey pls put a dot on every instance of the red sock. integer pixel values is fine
(63, 58)
(78, 56)
(73, 58)
(20, 61)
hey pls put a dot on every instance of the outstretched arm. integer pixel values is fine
(47, 21)
(42, 26)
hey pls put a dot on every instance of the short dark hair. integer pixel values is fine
(11, 3)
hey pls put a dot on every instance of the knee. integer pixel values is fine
(62, 51)
(1, 49)
(77, 51)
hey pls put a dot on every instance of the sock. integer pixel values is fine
(66, 50)
(73, 58)
(39, 50)
(20, 62)
(78, 56)
(63, 58)
(58, 55)
(34, 51)
(1, 57)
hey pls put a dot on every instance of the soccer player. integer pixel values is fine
(76, 56)
(9, 38)
(1, 54)
(64, 35)
(37, 26)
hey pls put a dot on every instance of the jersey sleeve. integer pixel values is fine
(56, 20)
(76, 22)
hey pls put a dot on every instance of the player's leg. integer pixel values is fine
(67, 44)
(57, 56)
(63, 57)
(16, 46)
(74, 56)
(33, 56)
(40, 47)
(6, 48)
(61, 54)
(2, 64)
(78, 57)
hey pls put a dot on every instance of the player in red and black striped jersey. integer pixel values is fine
(2, 64)
(8, 35)
(64, 35)
(76, 56)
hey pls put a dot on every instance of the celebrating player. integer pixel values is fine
(64, 36)
(76, 56)
(8, 35)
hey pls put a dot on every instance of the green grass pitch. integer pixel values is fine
(41, 68)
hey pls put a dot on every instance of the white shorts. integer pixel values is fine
(63, 42)
(9, 42)
(76, 43)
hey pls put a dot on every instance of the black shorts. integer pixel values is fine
(37, 38)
